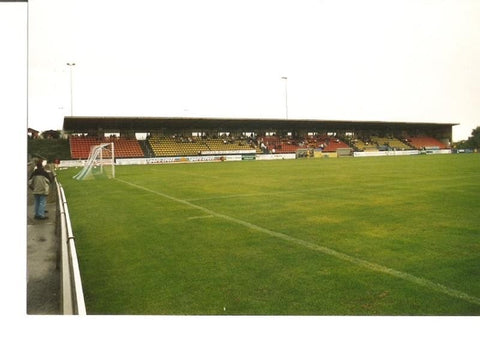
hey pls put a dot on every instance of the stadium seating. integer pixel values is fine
(168, 147)
(227, 145)
(426, 142)
(124, 148)
(332, 144)
(361, 145)
(391, 143)
(280, 145)
(80, 146)
(180, 146)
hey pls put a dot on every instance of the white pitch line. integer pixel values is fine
(200, 217)
(325, 250)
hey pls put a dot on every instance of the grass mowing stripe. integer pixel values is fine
(319, 189)
(247, 195)
(325, 250)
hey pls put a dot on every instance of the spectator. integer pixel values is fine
(39, 183)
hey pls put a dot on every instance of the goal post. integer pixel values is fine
(100, 163)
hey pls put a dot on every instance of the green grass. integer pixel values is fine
(242, 238)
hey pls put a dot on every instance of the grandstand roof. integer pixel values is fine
(146, 124)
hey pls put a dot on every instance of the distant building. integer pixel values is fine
(32, 133)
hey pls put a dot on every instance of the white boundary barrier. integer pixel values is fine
(188, 159)
(72, 300)
(386, 153)
(239, 157)
(72, 163)
(277, 156)
(400, 153)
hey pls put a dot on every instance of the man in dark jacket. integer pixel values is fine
(39, 183)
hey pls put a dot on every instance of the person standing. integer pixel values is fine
(39, 183)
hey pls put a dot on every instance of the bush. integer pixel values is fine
(49, 149)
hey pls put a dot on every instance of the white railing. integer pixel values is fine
(72, 300)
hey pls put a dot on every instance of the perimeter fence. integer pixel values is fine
(72, 300)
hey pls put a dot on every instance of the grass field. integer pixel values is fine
(363, 236)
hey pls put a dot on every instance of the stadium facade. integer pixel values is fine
(165, 126)
(145, 138)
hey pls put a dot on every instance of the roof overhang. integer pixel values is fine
(74, 124)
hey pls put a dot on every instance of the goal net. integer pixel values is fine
(100, 163)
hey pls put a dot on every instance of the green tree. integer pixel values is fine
(51, 134)
(474, 140)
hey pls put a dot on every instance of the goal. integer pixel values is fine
(100, 163)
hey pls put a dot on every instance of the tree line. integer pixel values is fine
(473, 141)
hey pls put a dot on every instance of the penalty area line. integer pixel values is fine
(324, 250)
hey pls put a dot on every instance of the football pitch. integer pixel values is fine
(347, 236)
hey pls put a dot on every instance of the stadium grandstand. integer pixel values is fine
(146, 137)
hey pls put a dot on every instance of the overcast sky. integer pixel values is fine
(345, 60)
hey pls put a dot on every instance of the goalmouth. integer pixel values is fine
(100, 163)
